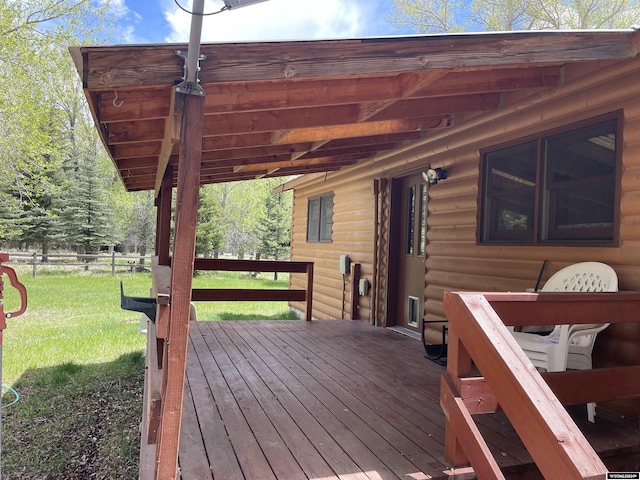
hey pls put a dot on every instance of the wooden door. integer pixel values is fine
(412, 248)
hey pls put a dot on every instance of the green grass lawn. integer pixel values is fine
(77, 361)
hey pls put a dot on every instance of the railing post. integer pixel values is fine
(355, 277)
(458, 366)
(309, 302)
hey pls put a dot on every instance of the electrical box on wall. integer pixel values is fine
(345, 264)
(363, 287)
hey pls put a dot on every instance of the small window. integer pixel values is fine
(556, 188)
(320, 219)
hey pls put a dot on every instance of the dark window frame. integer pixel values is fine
(541, 231)
(320, 228)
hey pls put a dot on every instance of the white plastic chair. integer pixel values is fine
(570, 346)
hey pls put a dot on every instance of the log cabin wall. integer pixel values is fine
(454, 260)
(352, 234)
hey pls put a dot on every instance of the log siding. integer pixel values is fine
(455, 261)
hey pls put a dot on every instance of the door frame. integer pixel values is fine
(395, 233)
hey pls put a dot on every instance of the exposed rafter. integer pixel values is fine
(289, 108)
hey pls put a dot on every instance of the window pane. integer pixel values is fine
(313, 220)
(422, 241)
(410, 227)
(326, 218)
(510, 193)
(580, 181)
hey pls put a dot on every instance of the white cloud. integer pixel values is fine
(118, 8)
(276, 20)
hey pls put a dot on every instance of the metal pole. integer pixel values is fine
(194, 42)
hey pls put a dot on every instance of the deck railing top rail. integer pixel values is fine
(477, 333)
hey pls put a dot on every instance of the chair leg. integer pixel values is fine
(591, 412)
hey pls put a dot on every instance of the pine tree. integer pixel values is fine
(274, 228)
(209, 235)
(85, 216)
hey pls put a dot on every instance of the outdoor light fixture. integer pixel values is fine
(231, 4)
(434, 175)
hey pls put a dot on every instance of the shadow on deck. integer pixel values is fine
(337, 399)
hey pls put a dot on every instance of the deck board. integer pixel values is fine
(331, 400)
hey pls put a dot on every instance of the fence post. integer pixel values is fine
(113, 263)
(35, 264)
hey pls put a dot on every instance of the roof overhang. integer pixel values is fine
(291, 108)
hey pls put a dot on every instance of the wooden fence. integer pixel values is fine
(111, 261)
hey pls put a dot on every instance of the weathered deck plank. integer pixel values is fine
(330, 400)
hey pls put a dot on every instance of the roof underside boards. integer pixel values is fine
(290, 108)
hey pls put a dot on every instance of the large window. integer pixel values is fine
(555, 188)
(320, 218)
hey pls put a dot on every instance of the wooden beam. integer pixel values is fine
(253, 122)
(361, 130)
(163, 229)
(143, 149)
(254, 152)
(553, 308)
(132, 132)
(117, 67)
(257, 96)
(252, 294)
(171, 137)
(314, 162)
(408, 84)
(411, 84)
(417, 108)
(476, 449)
(181, 280)
(458, 365)
(134, 104)
(571, 387)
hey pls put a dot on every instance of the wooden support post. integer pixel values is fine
(181, 284)
(309, 298)
(355, 278)
(458, 366)
(163, 227)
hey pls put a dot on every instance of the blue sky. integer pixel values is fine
(160, 21)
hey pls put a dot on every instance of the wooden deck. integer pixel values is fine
(336, 399)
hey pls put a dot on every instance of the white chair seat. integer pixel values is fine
(570, 346)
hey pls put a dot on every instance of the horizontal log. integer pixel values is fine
(467, 201)
(454, 218)
(524, 269)
(252, 295)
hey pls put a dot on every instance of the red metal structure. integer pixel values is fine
(13, 279)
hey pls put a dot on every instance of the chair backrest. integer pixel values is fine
(583, 277)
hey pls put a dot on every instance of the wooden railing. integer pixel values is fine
(156, 386)
(269, 295)
(532, 402)
(111, 261)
